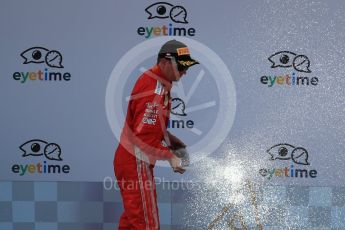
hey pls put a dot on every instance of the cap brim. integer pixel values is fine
(187, 62)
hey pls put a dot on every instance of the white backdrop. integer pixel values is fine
(269, 91)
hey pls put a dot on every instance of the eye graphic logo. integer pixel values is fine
(37, 147)
(178, 107)
(298, 155)
(52, 58)
(286, 59)
(164, 10)
(299, 168)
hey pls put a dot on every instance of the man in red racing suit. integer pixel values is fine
(145, 139)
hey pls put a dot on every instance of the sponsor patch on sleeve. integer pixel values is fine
(159, 88)
(164, 144)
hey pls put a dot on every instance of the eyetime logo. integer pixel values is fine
(39, 55)
(178, 108)
(40, 148)
(290, 60)
(163, 11)
(297, 157)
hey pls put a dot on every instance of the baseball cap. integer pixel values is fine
(179, 51)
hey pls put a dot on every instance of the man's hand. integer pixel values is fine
(183, 155)
(175, 163)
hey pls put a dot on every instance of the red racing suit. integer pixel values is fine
(141, 144)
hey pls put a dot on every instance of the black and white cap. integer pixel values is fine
(179, 51)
